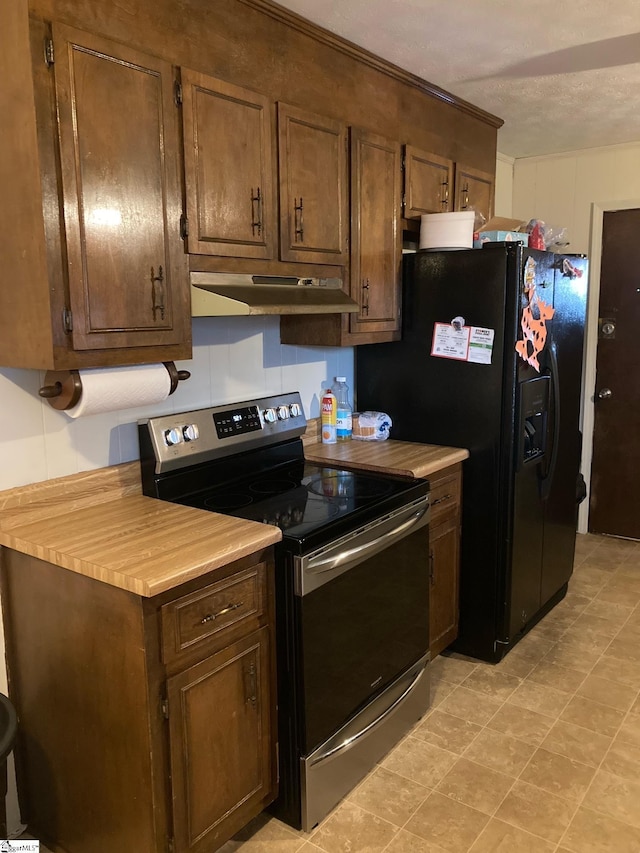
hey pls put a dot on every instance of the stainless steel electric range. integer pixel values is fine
(352, 584)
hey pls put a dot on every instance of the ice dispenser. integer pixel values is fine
(533, 415)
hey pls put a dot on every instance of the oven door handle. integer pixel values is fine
(369, 549)
(314, 571)
(347, 737)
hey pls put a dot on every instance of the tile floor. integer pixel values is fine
(540, 753)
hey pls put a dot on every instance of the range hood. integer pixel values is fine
(227, 294)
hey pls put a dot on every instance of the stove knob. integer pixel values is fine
(283, 413)
(295, 410)
(172, 437)
(270, 416)
(191, 432)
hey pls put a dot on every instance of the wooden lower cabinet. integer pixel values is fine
(144, 723)
(444, 566)
(444, 558)
(210, 796)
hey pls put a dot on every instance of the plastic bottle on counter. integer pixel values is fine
(344, 411)
(328, 417)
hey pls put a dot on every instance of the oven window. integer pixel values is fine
(360, 631)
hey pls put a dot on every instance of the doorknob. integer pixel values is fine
(605, 394)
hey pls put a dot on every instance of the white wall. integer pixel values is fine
(234, 358)
(560, 189)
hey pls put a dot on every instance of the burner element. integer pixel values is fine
(228, 502)
(346, 484)
(271, 486)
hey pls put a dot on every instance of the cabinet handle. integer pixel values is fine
(299, 228)
(256, 212)
(365, 296)
(465, 197)
(251, 684)
(445, 193)
(211, 617)
(441, 500)
(432, 579)
(157, 292)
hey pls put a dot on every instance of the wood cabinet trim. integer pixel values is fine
(306, 27)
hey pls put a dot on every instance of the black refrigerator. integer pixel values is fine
(491, 360)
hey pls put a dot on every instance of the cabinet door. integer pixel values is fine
(312, 154)
(474, 189)
(119, 148)
(428, 180)
(376, 251)
(222, 750)
(444, 543)
(228, 168)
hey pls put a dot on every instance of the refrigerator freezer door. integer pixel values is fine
(561, 505)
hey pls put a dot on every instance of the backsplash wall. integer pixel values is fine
(234, 358)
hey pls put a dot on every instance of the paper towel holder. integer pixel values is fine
(63, 388)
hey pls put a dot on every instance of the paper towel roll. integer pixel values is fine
(110, 389)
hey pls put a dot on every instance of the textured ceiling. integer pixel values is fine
(563, 75)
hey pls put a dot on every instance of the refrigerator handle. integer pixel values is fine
(545, 485)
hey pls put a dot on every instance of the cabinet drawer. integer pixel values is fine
(213, 612)
(445, 496)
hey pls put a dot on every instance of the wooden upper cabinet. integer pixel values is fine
(376, 250)
(312, 152)
(228, 168)
(474, 189)
(119, 150)
(428, 183)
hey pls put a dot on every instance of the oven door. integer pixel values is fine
(363, 617)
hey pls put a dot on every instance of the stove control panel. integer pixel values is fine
(180, 440)
(237, 421)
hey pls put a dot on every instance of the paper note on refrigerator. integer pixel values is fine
(450, 341)
(480, 345)
(466, 343)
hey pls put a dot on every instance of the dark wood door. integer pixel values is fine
(376, 247)
(222, 752)
(428, 183)
(228, 168)
(312, 153)
(614, 504)
(444, 567)
(119, 148)
(474, 190)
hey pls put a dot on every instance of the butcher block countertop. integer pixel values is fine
(404, 458)
(100, 525)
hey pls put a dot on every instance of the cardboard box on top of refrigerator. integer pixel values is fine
(501, 229)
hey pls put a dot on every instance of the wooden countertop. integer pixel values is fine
(405, 458)
(100, 525)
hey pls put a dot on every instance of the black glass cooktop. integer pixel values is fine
(303, 499)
